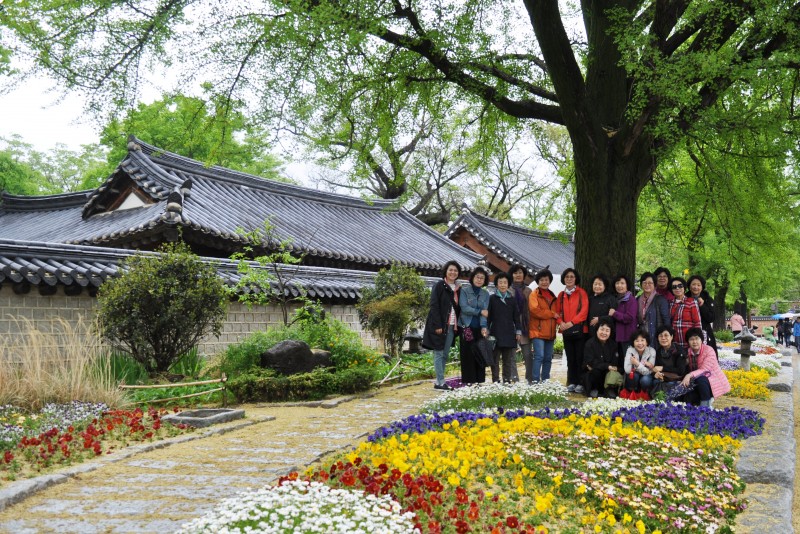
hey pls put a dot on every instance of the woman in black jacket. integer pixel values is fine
(504, 325)
(697, 290)
(440, 326)
(599, 357)
(670, 358)
(601, 302)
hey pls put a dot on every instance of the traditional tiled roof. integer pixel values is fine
(48, 264)
(209, 204)
(516, 244)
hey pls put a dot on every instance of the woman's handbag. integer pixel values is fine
(679, 390)
(573, 331)
(467, 333)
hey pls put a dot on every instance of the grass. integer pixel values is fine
(62, 366)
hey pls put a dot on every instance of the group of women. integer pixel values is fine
(656, 340)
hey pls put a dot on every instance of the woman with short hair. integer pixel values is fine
(653, 309)
(683, 312)
(572, 307)
(542, 326)
(504, 325)
(663, 278)
(601, 302)
(704, 371)
(670, 358)
(625, 315)
(474, 324)
(600, 357)
(521, 294)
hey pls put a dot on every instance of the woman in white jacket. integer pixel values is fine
(640, 359)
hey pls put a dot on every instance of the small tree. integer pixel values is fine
(161, 306)
(278, 268)
(398, 300)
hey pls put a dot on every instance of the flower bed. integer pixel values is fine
(523, 468)
(749, 384)
(62, 435)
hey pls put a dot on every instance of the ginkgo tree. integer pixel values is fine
(629, 79)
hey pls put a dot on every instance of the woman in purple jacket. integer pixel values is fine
(625, 315)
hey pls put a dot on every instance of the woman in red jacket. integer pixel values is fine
(572, 306)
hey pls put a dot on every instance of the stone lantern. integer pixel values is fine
(414, 339)
(745, 339)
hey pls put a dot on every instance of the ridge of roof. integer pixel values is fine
(483, 219)
(215, 172)
(9, 202)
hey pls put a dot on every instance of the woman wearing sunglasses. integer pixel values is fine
(683, 311)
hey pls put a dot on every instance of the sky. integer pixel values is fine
(44, 118)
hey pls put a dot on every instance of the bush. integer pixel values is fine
(265, 385)
(723, 336)
(329, 334)
(162, 306)
(398, 299)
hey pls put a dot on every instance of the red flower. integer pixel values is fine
(462, 526)
(434, 527)
(512, 522)
(347, 478)
(7, 457)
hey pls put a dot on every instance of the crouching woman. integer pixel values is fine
(640, 362)
(599, 357)
(704, 370)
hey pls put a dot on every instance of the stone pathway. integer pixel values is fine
(157, 488)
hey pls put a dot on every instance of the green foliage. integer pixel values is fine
(267, 276)
(161, 306)
(189, 364)
(398, 299)
(347, 350)
(126, 370)
(18, 178)
(152, 396)
(59, 170)
(723, 336)
(558, 345)
(207, 129)
(265, 385)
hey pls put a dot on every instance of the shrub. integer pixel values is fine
(723, 336)
(329, 334)
(398, 299)
(162, 306)
(260, 385)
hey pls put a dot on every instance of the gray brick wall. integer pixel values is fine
(46, 312)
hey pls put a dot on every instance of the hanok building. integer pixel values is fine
(56, 250)
(504, 244)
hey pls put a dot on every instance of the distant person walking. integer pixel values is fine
(737, 323)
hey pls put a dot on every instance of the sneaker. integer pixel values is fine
(579, 389)
(443, 387)
(571, 388)
(610, 393)
(594, 394)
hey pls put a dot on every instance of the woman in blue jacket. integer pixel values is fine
(473, 323)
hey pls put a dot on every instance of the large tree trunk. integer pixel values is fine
(609, 179)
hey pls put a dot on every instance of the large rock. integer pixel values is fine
(292, 357)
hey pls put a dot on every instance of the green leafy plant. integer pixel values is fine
(724, 336)
(189, 364)
(267, 385)
(125, 369)
(398, 299)
(161, 306)
(265, 265)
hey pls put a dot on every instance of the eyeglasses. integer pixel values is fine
(677, 286)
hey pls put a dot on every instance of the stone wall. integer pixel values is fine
(47, 313)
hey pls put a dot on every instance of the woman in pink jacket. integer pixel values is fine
(709, 380)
